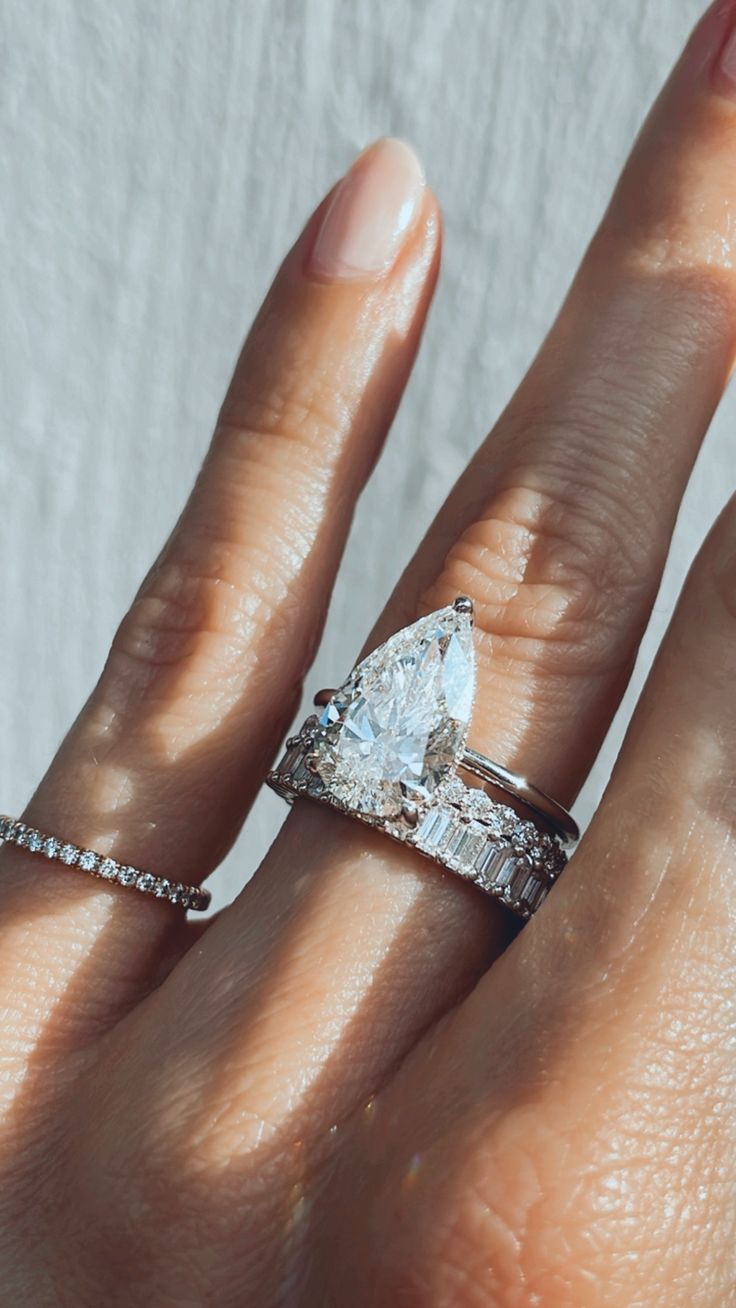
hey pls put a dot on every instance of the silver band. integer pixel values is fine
(463, 830)
(552, 813)
(13, 832)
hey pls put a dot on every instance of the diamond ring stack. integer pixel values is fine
(388, 747)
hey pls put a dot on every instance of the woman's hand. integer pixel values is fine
(330, 1096)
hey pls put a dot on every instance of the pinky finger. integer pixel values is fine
(661, 853)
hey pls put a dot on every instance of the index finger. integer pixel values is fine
(158, 771)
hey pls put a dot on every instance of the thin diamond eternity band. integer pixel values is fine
(15, 832)
(388, 746)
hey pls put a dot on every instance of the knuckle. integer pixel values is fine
(551, 573)
(230, 567)
(180, 610)
(300, 406)
(271, 485)
(190, 638)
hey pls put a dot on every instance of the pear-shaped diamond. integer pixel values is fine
(398, 725)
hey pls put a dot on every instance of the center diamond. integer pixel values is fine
(398, 725)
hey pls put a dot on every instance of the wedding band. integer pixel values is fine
(387, 749)
(13, 832)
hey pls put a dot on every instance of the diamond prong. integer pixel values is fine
(410, 813)
(463, 604)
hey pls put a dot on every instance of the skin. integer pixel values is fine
(354, 1087)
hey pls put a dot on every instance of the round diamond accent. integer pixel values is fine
(88, 860)
(477, 803)
(68, 854)
(108, 869)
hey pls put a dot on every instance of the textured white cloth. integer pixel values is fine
(157, 160)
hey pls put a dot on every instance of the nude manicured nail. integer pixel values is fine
(372, 210)
(727, 65)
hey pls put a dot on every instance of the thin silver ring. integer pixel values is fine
(531, 796)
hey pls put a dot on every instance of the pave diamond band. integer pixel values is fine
(463, 829)
(387, 748)
(13, 832)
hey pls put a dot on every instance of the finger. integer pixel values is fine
(203, 674)
(616, 1006)
(346, 947)
(668, 819)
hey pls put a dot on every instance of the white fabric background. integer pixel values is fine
(156, 158)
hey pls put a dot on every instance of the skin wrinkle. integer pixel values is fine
(309, 490)
(699, 243)
(517, 1223)
(184, 603)
(698, 1105)
(303, 419)
(561, 587)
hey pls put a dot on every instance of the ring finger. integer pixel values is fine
(345, 946)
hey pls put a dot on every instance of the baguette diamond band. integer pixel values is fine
(13, 832)
(387, 749)
(462, 829)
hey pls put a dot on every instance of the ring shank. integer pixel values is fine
(531, 796)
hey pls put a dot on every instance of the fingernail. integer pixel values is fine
(372, 210)
(708, 56)
(727, 66)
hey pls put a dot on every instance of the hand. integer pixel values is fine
(329, 1096)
